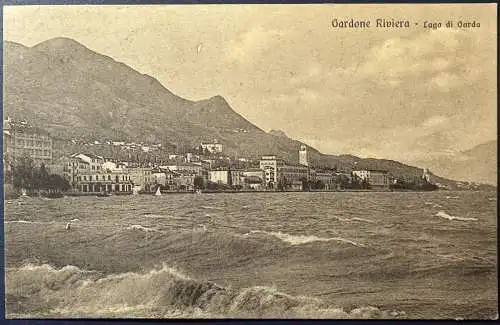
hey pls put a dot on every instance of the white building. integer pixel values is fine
(214, 147)
(95, 162)
(175, 166)
(376, 178)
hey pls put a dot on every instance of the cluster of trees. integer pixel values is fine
(23, 174)
(422, 185)
(307, 185)
(357, 183)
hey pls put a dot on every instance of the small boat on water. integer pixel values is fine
(103, 194)
(23, 192)
(158, 192)
(135, 190)
(198, 192)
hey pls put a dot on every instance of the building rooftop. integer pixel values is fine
(23, 127)
(371, 170)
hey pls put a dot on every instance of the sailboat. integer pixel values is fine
(23, 192)
(158, 192)
(136, 189)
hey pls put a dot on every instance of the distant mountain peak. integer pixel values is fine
(278, 133)
(59, 42)
(86, 95)
(218, 99)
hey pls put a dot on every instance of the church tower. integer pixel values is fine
(426, 175)
(303, 157)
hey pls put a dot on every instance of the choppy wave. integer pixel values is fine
(302, 239)
(27, 221)
(208, 207)
(158, 216)
(434, 205)
(355, 219)
(43, 291)
(363, 220)
(142, 228)
(444, 215)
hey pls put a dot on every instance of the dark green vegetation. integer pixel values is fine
(23, 174)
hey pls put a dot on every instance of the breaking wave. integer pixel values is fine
(444, 215)
(434, 205)
(301, 239)
(43, 291)
(27, 221)
(158, 216)
(142, 228)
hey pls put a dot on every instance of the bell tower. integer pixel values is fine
(303, 157)
(426, 175)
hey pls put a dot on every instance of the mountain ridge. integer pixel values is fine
(477, 164)
(77, 92)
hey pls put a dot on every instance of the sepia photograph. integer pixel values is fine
(250, 161)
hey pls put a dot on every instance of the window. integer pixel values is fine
(90, 178)
(84, 178)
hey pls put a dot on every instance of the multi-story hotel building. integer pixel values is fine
(22, 140)
(376, 178)
(185, 167)
(114, 181)
(90, 173)
(278, 171)
(142, 176)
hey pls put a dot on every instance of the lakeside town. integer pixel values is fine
(31, 168)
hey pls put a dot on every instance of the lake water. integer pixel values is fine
(254, 255)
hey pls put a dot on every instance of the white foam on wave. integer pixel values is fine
(211, 207)
(27, 222)
(451, 257)
(444, 215)
(302, 239)
(200, 228)
(159, 293)
(158, 216)
(140, 227)
(452, 197)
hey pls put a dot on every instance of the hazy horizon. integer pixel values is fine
(407, 95)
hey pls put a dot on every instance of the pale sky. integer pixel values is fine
(404, 94)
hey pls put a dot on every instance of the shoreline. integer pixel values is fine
(97, 194)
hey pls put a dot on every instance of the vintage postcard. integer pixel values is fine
(250, 161)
